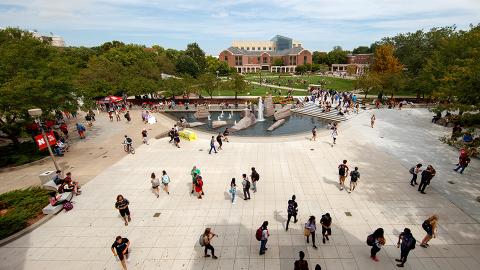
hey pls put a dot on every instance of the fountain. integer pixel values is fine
(221, 114)
(260, 110)
(219, 117)
(209, 118)
(235, 122)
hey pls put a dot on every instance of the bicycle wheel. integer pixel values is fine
(132, 151)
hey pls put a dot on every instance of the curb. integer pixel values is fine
(23, 232)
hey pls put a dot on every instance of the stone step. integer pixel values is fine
(315, 111)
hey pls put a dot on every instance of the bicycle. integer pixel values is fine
(126, 148)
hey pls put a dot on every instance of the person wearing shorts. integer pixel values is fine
(165, 181)
(122, 206)
(120, 250)
(342, 172)
(326, 222)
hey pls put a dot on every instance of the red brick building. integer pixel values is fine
(366, 58)
(253, 59)
(357, 64)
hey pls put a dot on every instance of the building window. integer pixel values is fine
(238, 61)
(259, 48)
(258, 60)
(226, 58)
(269, 48)
(253, 48)
(248, 48)
(264, 48)
(265, 60)
(304, 59)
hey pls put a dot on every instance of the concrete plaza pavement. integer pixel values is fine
(81, 238)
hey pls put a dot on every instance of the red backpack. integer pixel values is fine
(258, 234)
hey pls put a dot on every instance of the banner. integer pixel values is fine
(41, 141)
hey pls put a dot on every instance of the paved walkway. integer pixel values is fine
(87, 158)
(81, 238)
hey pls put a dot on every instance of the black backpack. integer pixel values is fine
(247, 185)
(412, 170)
(129, 140)
(370, 240)
(427, 226)
(341, 170)
(291, 208)
(256, 176)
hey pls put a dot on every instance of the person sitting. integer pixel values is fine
(56, 199)
(70, 185)
(58, 178)
(63, 146)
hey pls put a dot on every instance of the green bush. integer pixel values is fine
(21, 206)
(15, 155)
(470, 119)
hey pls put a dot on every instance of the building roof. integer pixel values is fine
(294, 50)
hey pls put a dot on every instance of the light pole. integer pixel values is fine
(36, 113)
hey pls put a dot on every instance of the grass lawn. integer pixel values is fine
(256, 90)
(21, 208)
(23, 153)
(303, 81)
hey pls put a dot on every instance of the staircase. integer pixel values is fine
(315, 111)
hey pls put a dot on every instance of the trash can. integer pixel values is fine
(46, 176)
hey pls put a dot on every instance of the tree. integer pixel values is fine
(176, 86)
(301, 69)
(209, 83)
(362, 50)
(197, 54)
(385, 60)
(33, 74)
(367, 82)
(186, 65)
(237, 84)
(278, 62)
(214, 65)
(337, 56)
(319, 57)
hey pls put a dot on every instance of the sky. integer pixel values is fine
(318, 24)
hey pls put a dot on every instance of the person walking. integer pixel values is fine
(334, 135)
(246, 187)
(254, 177)
(120, 250)
(300, 264)
(264, 237)
(212, 145)
(81, 130)
(171, 134)
(194, 173)
(354, 176)
(199, 186)
(208, 235)
(219, 141)
(110, 116)
(127, 116)
(414, 171)
(426, 177)
(117, 116)
(318, 267)
(155, 184)
(176, 139)
(292, 210)
(145, 136)
(430, 227)
(226, 133)
(326, 222)
(122, 206)
(310, 228)
(407, 243)
(233, 190)
(376, 241)
(462, 164)
(165, 181)
(342, 173)
(372, 120)
(314, 134)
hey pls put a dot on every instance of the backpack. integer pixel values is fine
(370, 240)
(258, 234)
(291, 209)
(68, 206)
(412, 242)
(256, 176)
(201, 241)
(165, 179)
(427, 226)
(129, 140)
(354, 175)
(247, 185)
(341, 170)
(412, 170)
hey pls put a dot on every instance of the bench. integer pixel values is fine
(52, 210)
(50, 185)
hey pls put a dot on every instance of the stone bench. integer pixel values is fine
(50, 185)
(52, 210)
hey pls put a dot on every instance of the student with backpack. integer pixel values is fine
(205, 241)
(300, 264)
(376, 240)
(165, 181)
(342, 173)
(292, 210)
(407, 243)
(255, 177)
(414, 171)
(262, 235)
(310, 229)
(233, 190)
(425, 179)
(326, 222)
(246, 187)
(354, 176)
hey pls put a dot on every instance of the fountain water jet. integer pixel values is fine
(260, 117)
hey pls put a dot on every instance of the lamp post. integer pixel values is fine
(36, 113)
